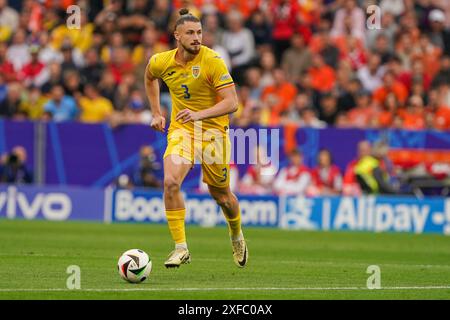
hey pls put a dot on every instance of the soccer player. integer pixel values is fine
(203, 94)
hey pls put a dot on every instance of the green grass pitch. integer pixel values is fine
(34, 256)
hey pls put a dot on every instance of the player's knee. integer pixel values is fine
(223, 200)
(171, 185)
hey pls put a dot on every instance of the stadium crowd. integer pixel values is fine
(308, 63)
(304, 62)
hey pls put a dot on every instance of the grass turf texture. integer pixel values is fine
(35, 255)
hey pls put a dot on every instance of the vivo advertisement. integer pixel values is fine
(377, 214)
(51, 203)
(373, 214)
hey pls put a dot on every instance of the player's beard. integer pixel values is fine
(191, 50)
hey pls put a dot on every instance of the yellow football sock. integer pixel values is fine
(175, 220)
(234, 226)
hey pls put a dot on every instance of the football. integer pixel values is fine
(134, 265)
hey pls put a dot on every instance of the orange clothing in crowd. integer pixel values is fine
(323, 78)
(442, 118)
(61, 3)
(285, 94)
(245, 7)
(412, 121)
(385, 118)
(361, 117)
(399, 90)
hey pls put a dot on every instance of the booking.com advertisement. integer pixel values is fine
(374, 214)
(145, 206)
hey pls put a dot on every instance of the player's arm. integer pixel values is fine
(228, 104)
(152, 89)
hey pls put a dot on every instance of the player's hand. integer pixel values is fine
(187, 115)
(158, 123)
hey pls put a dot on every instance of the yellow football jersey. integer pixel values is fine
(193, 86)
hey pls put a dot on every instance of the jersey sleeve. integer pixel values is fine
(220, 77)
(154, 67)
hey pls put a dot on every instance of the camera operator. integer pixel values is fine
(13, 167)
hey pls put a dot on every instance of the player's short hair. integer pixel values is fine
(185, 16)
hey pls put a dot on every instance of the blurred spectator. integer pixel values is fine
(437, 113)
(6, 67)
(48, 54)
(61, 107)
(35, 72)
(93, 69)
(417, 75)
(284, 21)
(135, 20)
(260, 174)
(55, 77)
(438, 34)
(296, 59)
(394, 7)
(295, 178)
(240, 44)
(328, 109)
(352, 50)
(211, 24)
(18, 53)
(72, 59)
(253, 81)
(414, 115)
(10, 106)
(145, 173)
(322, 43)
(323, 76)
(80, 38)
(390, 85)
(372, 172)
(268, 65)
(9, 20)
(94, 107)
(347, 97)
(350, 185)
(383, 48)
(443, 76)
(33, 103)
(161, 13)
(210, 41)
(107, 85)
(149, 45)
(294, 113)
(385, 117)
(350, 19)
(13, 167)
(327, 178)
(309, 119)
(115, 41)
(121, 64)
(371, 75)
(279, 96)
(261, 29)
(364, 114)
(72, 84)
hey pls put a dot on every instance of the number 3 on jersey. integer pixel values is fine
(187, 95)
(225, 175)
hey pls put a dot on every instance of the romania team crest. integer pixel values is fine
(195, 71)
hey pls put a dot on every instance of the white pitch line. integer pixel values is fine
(228, 289)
